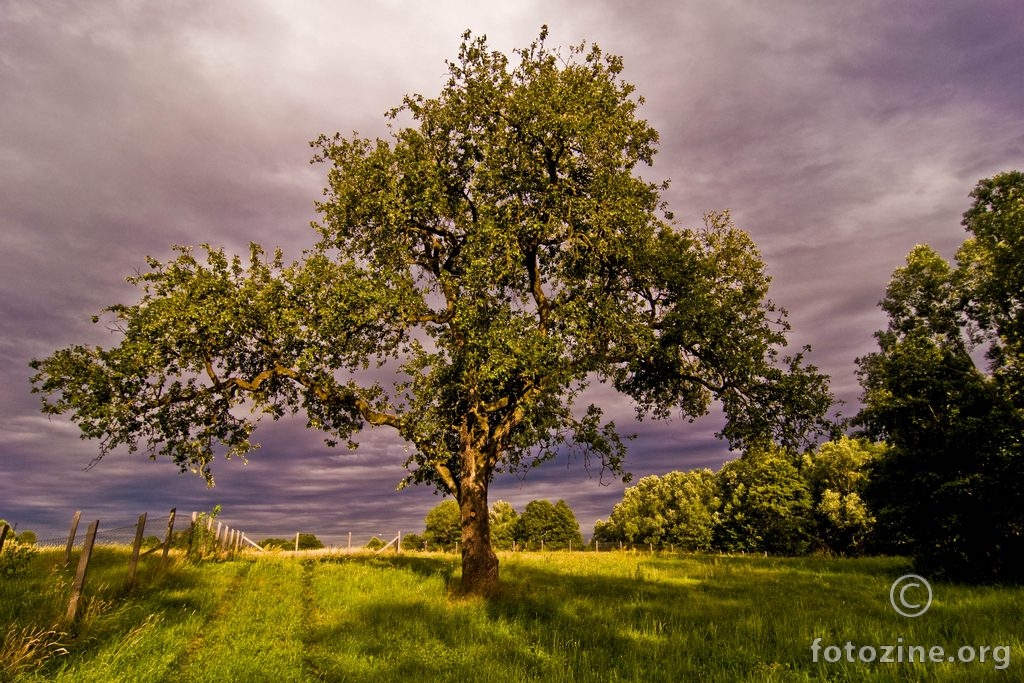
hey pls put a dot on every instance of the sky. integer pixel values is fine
(839, 135)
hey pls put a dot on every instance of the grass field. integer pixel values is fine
(560, 617)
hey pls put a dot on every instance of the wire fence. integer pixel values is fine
(48, 582)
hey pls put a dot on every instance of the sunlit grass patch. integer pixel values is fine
(558, 617)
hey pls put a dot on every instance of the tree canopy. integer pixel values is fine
(498, 253)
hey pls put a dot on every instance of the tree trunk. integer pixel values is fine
(479, 563)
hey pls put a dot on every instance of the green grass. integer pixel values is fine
(559, 617)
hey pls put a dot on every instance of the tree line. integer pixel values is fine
(765, 501)
(542, 525)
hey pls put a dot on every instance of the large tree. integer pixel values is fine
(949, 488)
(497, 253)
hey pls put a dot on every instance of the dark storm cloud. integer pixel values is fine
(839, 135)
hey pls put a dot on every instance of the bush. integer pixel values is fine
(15, 558)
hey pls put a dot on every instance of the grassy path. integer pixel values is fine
(255, 633)
(561, 617)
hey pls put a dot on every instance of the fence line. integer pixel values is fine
(26, 574)
(205, 540)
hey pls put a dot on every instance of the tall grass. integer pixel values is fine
(559, 617)
(34, 603)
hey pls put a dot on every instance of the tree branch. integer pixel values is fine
(543, 305)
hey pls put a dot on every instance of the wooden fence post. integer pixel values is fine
(71, 537)
(83, 566)
(170, 536)
(192, 533)
(133, 564)
(296, 541)
(3, 535)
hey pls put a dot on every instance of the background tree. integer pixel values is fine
(306, 542)
(675, 510)
(948, 490)
(638, 517)
(309, 542)
(837, 472)
(548, 526)
(765, 504)
(503, 525)
(412, 542)
(443, 525)
(499, 253)
(566, 533)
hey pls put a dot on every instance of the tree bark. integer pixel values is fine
(479, 563)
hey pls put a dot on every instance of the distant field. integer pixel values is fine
(561, 617)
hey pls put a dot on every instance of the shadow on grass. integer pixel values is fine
(112, 614)
(637, 617)
(561, 617)
(638, 620)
